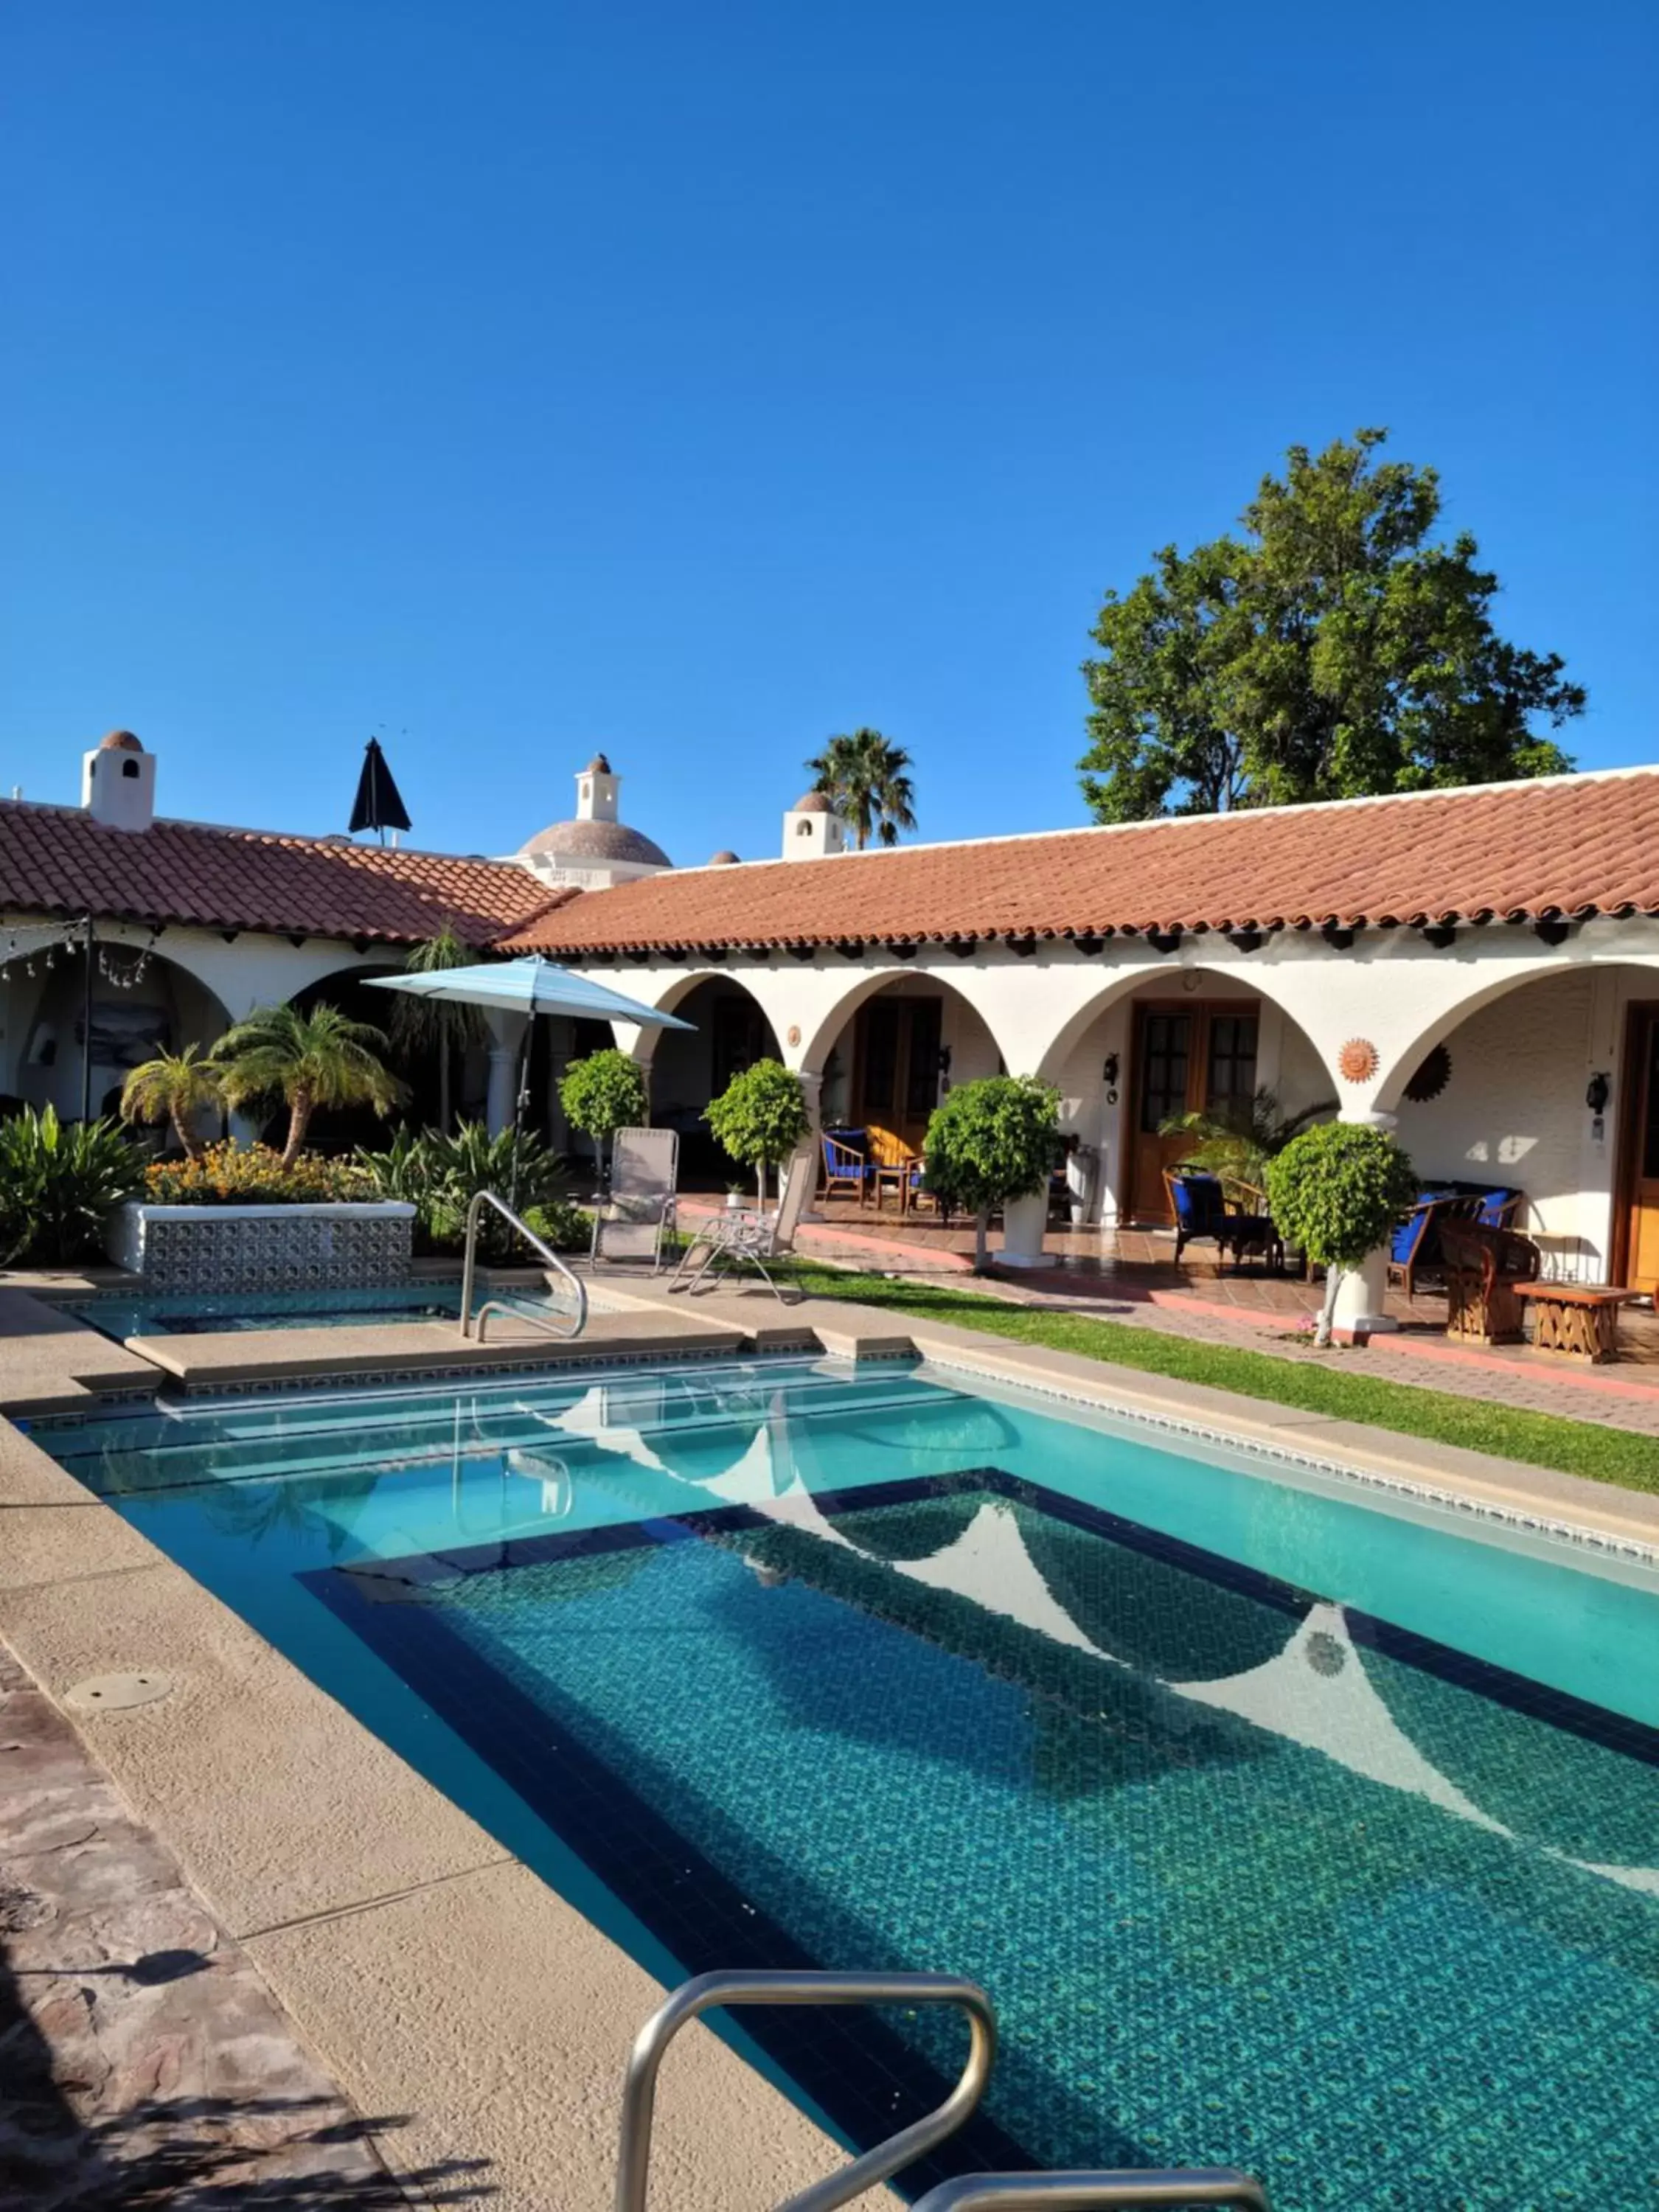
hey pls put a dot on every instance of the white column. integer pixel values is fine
(1362, 1294)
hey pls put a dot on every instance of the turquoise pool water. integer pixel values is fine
(1286, 1831)
(193, 1312)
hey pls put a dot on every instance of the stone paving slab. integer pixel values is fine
(49, 1362)
(142, 2058)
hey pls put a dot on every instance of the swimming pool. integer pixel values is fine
(120, 1314)
(1291, 1828)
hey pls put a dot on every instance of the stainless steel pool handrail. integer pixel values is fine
(709, 1991)
(469, 1265)
(1122, 2192)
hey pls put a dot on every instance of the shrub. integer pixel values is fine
(60, 1185)
(1337, 1192)
(563, 1226)
(229, 1174)
(441, 1175)
(602, 1094)
(991, 1142)
(761, 1117)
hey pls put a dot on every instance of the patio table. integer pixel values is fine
(1578, 1319)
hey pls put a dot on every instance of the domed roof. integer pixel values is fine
(598, 841)
(725, 858)
(812, 802)
(120, 741)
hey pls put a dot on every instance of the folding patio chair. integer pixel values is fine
(633, 1222)
(741, 1238)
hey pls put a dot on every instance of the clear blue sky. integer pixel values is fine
(512, 377)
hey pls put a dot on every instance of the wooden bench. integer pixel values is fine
(1579, 1319)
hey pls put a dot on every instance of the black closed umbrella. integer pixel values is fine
(379, 804)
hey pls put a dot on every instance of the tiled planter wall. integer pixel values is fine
(263, 1248)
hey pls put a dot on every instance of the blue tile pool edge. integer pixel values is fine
(1613, 1543)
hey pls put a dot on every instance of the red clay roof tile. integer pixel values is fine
(54, 859)
(1570, 845)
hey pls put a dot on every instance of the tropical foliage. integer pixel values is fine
(1334, 650)
(441, 1175)
(991, 1142)
(59, 1183)
(602, 1094)
(761, 1117)
(305, 1060)
(442, 1026)
(229, 1174)
(1336, 1191)
(1237, 1141)
(178, 1088)
(868, 783)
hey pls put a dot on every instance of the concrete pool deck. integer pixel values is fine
(429, 1973)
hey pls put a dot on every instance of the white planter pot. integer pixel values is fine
(337, 1246)
(1024, 1224)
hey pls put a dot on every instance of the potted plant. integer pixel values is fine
(602, 1094)
(1336, 1191)
(761, 1117)
(992, 1143)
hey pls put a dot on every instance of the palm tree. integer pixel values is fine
(869, 781)
(307, 1060)
(438, 1024)
(175, 1087)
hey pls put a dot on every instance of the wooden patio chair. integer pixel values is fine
(846, 1166)
(1203, 1212)
(1484, 1268)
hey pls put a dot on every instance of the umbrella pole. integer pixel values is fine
(521, 1098)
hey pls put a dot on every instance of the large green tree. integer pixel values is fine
(868, 781)
(1332, 651)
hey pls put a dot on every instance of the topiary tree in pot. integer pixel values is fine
(602, 1094)
(990, 1142)
(761, 1117)
(1337, 1192)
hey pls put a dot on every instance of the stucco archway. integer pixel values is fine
(730, 1028)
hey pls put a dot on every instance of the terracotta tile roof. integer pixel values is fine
(53, 860)
(1567, 846)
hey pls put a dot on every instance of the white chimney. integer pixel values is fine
(812, 827)
(118, 782)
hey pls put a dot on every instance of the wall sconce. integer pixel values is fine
(1109, 1076)
(1600, 1090)
(944, 1059)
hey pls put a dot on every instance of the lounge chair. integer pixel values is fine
(634, 1221)
(741, 1238)
(1203, 1212)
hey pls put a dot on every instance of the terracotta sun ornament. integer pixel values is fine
(1357, 1060)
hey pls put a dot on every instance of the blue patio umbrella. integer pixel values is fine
(528, 986)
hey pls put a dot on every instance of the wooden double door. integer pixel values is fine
(1190, 1056)
(896, 1072)
(1640, 1181)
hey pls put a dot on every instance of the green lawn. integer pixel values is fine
(1586, 1448)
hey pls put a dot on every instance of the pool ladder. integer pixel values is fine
(544, 1252)
(978, 2193)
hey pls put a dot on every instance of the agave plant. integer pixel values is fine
(1236, 1141)
(61, 1184)
(441, 1175)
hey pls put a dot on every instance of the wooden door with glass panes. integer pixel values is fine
(1190, 1056)
(896, 1079)
(1641, 1240)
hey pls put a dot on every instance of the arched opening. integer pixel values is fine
(730, 1032)
(1192, 1041)
(1548, 1088)
(886, 1057)
(143, 1004)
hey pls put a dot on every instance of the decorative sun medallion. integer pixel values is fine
(1431, 1079)
(794, 1033)
(1357, 1060)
